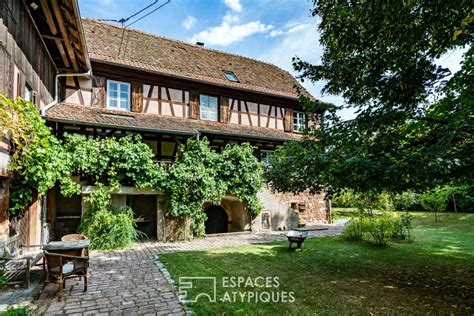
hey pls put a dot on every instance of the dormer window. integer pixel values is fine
(118, 95)
(299, 121)
(231, 76)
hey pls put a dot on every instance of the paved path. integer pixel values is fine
(130, 281)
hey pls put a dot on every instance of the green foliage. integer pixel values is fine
(241, 172)
(407, 201)
(378, 230)
(106, 226)
(37, 158)
(436, 200)
(354, 229)
(200, 175)
(193, 180)
(381, 229)
(17, 311)
(414, 124)
(112, 162)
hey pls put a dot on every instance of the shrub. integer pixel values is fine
(17, 311)
(110, 229)
(382, 228)
(354, 229)
(106, 226)
(403, 227)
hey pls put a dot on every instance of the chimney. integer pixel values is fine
(200, 44)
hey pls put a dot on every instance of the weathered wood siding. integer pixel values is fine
(24, 60)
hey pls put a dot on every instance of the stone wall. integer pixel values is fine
(287, 210)
(311, 208)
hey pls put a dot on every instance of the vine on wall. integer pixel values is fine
(199, 175)
(38, 160)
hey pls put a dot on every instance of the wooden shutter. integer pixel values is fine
(224, 110)
(288, 122)
(193, 105)
(137, 96)
(98, 92)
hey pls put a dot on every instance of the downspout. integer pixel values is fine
(56, 89)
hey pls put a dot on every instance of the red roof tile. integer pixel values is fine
(86, 115)
(134, 48)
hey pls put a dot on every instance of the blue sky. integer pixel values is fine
(268, 30)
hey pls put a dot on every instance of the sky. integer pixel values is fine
(269, 30)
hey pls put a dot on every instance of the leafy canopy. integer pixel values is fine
(415, 123)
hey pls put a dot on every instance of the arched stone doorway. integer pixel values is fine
(217, 220)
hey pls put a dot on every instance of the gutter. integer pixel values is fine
(56, 92)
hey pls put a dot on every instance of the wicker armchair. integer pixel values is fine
(60, 267)
(73, 237)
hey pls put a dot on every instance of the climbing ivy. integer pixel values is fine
(38, 160)
(198, 176)
(112, 162)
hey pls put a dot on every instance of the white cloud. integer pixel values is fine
(230, 18)
(228, 32)
(234, 5)
(275, 33)
(290, 29)
(189, 22)
(301, 40)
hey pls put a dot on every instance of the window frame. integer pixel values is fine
(208, 107)
(299, 124)
(119, 91)
(231, 74)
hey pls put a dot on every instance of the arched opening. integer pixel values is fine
(217, 220)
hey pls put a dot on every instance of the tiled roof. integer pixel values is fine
(86, 115)
(134, 48)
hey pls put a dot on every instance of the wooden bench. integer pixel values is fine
(16, 261)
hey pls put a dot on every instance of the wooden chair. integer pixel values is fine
(60, 267)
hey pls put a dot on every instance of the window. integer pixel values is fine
(299, 121)
(28, 94)
(118, 95)
(231, 76)
(208, 108)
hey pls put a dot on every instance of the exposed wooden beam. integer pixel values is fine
(48, 16)
(62, 52)
(51, 37)
(62, 27)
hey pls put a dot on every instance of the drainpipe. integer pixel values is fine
(56, 93)
(198, 135)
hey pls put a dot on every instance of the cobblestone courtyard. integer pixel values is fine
(130, 281)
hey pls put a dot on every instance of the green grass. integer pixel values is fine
(434, 274)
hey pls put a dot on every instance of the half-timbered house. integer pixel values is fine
(168, 91)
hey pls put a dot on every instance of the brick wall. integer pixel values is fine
(311, 208)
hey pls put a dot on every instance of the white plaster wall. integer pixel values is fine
(282, 216)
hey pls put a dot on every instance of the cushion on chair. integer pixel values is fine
(68, 267)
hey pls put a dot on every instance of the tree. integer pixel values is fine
(415, 121)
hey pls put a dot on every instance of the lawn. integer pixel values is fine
(434, 274)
